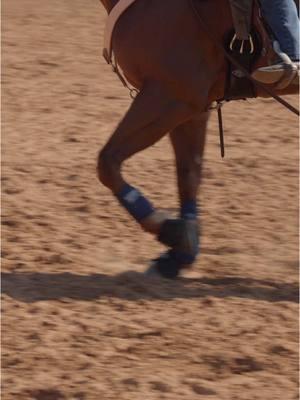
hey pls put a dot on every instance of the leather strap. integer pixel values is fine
(111, 21)
(241, 11)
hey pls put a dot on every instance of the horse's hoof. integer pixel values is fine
(165, 266)
(183, 237)
(171, 232)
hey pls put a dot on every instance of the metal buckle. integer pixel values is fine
(234, 39)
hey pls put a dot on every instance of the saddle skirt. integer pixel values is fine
(241, 11)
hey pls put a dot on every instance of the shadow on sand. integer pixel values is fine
(131, 285)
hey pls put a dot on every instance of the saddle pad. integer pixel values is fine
(111, 21)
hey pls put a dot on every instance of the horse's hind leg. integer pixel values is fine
(188, 140)
(152, 114)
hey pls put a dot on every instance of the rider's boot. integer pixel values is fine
(282, 19)
(276, 72)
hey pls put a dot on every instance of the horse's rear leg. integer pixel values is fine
(188, 141)
(152, 114)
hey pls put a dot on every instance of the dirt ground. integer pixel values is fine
(80, 321)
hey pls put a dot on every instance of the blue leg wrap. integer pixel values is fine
(135, 203)
(189, 210)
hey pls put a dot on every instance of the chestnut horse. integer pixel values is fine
(166, 53)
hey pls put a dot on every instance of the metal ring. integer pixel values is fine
(232, 42)
(251, 44)
(133, 93)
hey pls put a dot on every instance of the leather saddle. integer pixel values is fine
(250, 43)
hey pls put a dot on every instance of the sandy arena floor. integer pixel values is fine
(79, 321)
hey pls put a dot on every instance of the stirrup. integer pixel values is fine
(281, 78)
